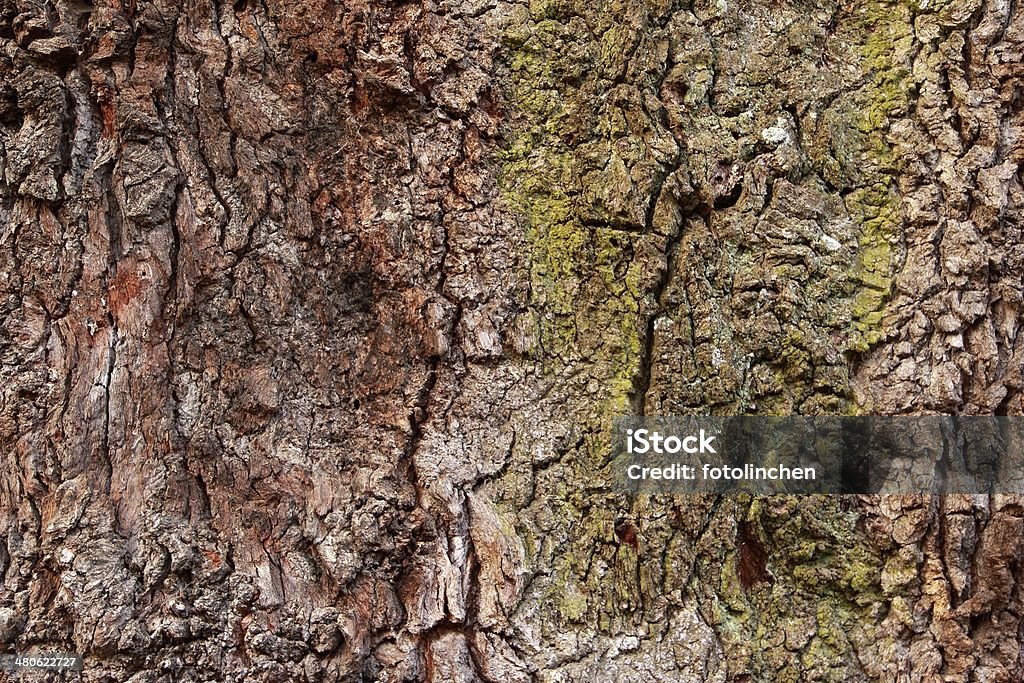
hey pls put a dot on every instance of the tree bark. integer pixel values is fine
(316, 317)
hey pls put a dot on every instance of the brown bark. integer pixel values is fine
(315, 316)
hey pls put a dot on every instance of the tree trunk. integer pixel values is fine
(316, 317)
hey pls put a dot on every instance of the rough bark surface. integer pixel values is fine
(315, 317)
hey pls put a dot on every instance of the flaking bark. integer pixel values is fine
(316, 315)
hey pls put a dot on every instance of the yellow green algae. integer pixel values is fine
(563, 173)
(888, 38)
(585, 296)
(803, 617)
(585, 287)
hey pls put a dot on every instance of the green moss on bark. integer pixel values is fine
(887, 30)
(584, 282)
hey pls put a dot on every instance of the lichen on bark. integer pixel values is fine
(876, 206)
(316, 315)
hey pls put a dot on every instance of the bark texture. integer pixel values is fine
(316, 315)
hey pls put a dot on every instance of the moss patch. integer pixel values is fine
(584, 281)
(887, 32)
